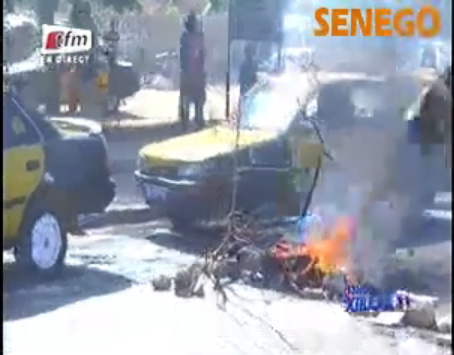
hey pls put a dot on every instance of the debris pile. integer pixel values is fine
(321, 256)
(319, 268)
(260, 255)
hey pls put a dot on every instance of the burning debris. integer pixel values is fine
(260, 254)
(318, 268)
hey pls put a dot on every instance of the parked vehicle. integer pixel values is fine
(190, 178)
(50, 175)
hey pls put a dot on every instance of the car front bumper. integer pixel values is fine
(208, 198)
(174, 197)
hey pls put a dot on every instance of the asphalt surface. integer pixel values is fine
(104, 302)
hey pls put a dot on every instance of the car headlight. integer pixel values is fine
(142, 164)
(196, 169)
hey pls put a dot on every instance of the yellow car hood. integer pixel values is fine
(201, 145)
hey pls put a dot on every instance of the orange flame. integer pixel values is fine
(328, 249)
(332, 251)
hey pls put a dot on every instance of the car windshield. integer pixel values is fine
(45, 126)
(272, 107)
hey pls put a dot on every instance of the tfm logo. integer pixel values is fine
(64, 40)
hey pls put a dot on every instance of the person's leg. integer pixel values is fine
(183, 104)
(199, 119)
(184, 111)
(199, 104)
(73, 98)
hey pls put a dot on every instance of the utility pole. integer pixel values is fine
(45, 10)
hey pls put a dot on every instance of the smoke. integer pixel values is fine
(372, 176)
(359, 184)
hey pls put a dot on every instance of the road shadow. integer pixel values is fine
(425, 270)
(420, 232)
(119, 217)
(194, 241)
(27, 296)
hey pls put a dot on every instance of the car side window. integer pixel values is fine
(17, 128)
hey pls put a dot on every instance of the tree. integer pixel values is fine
(117, 5)
(219, 5)
(123, 5)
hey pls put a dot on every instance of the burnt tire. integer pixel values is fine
(43, 241)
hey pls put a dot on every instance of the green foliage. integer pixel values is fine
(219, 5)
(123, 5)
(172, 11)
(117, 5)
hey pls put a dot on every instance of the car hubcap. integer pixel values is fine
(46, 241)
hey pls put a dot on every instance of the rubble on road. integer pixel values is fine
(444, 324)
(251, 253)
(162, 283)
(188, 283)
(421, 313)
(317, 269)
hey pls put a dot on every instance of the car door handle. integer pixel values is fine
(32, 165)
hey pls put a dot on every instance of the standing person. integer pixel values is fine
(81, 17)
(192, 71)
(248, 69)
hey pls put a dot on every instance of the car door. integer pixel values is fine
(23, 164)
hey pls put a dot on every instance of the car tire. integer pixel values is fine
(43, 242)
(180, 222)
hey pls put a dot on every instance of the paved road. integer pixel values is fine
(104, 303)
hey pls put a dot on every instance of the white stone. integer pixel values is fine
(421, 313)
(444, 324)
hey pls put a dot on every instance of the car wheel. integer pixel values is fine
(180, 222)
(43, 243)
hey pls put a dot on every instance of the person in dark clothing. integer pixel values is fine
(192, 72)
(248, 70)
